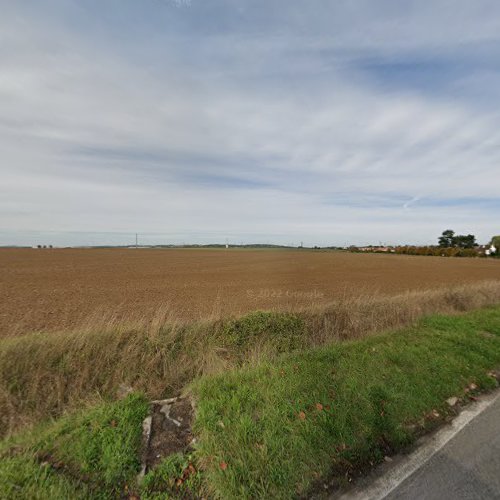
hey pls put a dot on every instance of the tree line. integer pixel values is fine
(449, 244)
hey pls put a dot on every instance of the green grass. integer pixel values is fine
(273, 430)
(22, 477)
(175, 477)
(92, 453)
(280, 426)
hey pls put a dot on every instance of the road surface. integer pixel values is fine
(459, 463)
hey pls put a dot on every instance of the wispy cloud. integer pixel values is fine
(408, 204)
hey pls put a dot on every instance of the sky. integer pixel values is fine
(257, 121)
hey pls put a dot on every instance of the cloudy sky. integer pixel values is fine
(322, 121)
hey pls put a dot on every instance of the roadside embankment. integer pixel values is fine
(277, 429)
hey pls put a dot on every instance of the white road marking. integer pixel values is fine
(382, 486)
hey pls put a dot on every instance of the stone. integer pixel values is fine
(165, 409)
(146, 437)
(452, 401)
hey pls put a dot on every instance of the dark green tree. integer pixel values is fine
(447, 239)
(451, 240)
(465, 241)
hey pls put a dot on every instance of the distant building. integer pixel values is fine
(382, 249)
(490, 251)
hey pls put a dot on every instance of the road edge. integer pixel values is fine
(389, 478)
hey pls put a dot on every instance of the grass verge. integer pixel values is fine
(274, 430)
(44, 374)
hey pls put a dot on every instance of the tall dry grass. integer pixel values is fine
(44, 374)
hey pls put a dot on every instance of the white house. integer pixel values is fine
(491, 250)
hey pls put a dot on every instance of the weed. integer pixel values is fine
(42, 375)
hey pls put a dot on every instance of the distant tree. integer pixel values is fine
(451, 240)
(465, 241)
(495, 241)
(447, 239)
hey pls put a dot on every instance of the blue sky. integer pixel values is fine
(328, 122)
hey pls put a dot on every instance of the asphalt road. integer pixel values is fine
(466, 468)
(460, 462)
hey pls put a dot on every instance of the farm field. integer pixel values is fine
(61, 289)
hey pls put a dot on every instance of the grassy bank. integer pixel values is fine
(273, 430)
(42, 375)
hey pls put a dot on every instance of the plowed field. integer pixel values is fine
(62, 288)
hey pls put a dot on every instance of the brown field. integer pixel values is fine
(65, 288)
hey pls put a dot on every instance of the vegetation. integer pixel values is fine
(42, 375)
(332, 410)
(93, 453)
(449, 245)
(438, 251)
(427, 250)
(451, 240)
(273, 430)
(23, 477)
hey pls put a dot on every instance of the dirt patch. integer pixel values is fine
(487, 335)
(166, 431)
